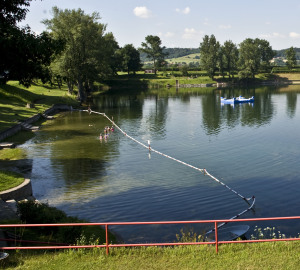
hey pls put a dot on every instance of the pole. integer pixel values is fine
(216, 236)
(107, 240)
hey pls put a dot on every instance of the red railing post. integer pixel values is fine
(216, 236)
(107, 240)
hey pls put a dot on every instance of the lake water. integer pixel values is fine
(253, 148)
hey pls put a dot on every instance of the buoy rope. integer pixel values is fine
(204, 171)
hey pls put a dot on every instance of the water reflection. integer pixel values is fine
(291, 104)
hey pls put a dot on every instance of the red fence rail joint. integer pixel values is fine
(107, 246)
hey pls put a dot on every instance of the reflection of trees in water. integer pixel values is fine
(76, 149)
(157, 116)
(216, 115)
(291, 104)
(211, 114)
(79, 172)
(130, 107)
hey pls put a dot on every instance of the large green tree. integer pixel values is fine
(209, 54)
(89, 51)
(254, 54)
(230, 55)
(290, 55)
(131, 58)
(24, 55)
(152, 47)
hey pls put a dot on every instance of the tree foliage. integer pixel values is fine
(290, 57)
(209, 54)
(24, 55)
(255, 54)
(231, 55)
(131, 58)
(89, 51)
(152, 47)
(13, 11)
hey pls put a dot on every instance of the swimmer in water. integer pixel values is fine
(112, 128)
(100, 137)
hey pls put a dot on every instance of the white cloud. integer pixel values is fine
(185, 11)
(222, 26)
(166, 35)
(169, 34)
(294, 35)
(142, 12)
(272, 35)
(191, 33)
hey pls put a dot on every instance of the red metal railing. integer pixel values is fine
(108, 246)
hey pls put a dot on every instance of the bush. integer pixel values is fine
(39, 213)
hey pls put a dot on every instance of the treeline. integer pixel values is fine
(78, 50)
(282, 53)
(250, 57)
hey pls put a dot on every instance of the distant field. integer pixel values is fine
(187, 59)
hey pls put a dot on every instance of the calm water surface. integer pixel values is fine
(255, 149)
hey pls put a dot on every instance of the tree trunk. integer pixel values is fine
(70, 87)
(80, 96)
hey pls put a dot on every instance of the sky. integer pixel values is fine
(183, 24)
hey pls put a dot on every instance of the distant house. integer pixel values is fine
(150, 71)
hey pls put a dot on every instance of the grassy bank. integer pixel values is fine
(9, 180)
(233, 256)
(169, 78)
(14, 98)
(162, 78)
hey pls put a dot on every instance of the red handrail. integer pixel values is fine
(107, 224)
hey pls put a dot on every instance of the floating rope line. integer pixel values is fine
(204, 171)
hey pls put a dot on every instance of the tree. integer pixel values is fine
(13, 11)
(209, 54)
(24, 55)
(152, 47)
(266, 54)
(231, 54)
(290, 55)
(254, 54)
(131, 58)
(89, 51)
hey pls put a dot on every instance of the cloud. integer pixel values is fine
(272, 35)
(142, 12)
(191, 33)
(294, 35)
(222, 26)
(169, 34)
(185, 11)
(166, 35)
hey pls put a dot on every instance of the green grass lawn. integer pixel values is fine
(283, 255)
(14, 98)
(9, 180)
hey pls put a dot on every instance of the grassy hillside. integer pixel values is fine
(14, 98)
(185, 59)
